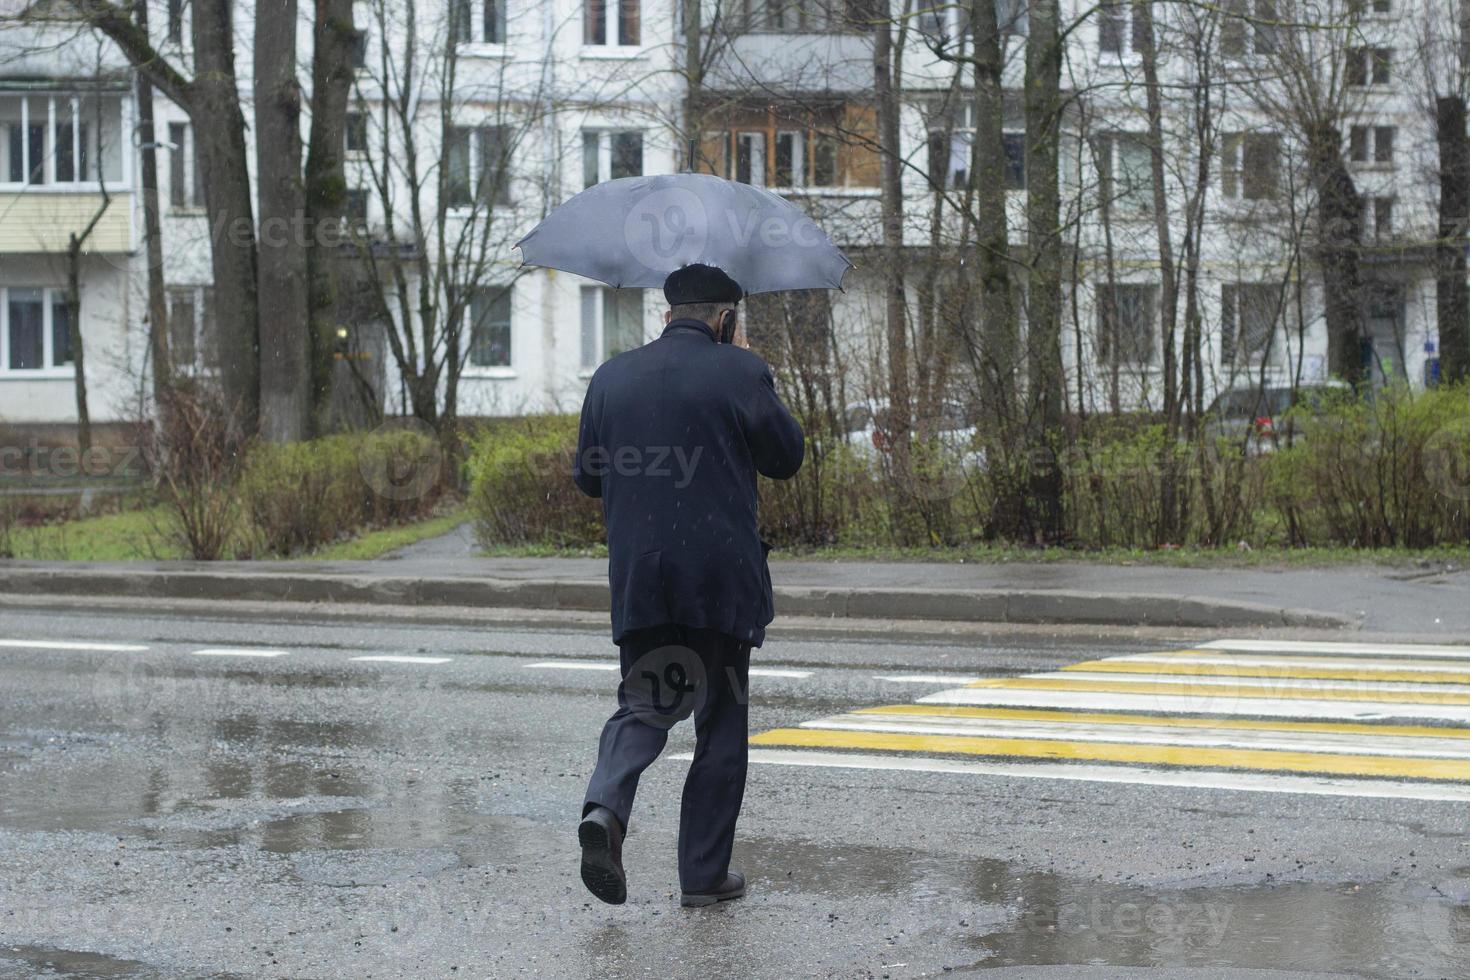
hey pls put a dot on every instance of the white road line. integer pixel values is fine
(1340, 744)
(402, 660)
(73, 645)
(1219, 704)
(1318, 646)
(924, 679)
(593, 665)
(239, 652)
(1283, 684)
(1137, 775)
(1366, 664)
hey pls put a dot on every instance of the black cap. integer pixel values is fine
(701, 284)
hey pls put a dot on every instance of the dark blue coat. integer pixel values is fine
(672, 436)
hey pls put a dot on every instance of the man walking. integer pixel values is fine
(672, 436)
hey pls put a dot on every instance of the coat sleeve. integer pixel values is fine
(777, 445)
(589, 464)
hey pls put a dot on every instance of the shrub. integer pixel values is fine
(301, 496)
(195, 457)
(1380, 471)
(521, 489)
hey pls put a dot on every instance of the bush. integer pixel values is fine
(521, 489)
(304, 495)
(195, 458)
(1382, 471)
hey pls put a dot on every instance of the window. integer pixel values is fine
(1126, 324)
(1250, 168)
(359, 49)
(618, 26)
(767, 146)
(192, 339)
(61, 139)
(787, 16)
(490, 327)
(1377, 219)
(612, 322)
(175, 21)
(185, 186)
(1248, 315)
(1368, 66)
(949, 20)
(355, 133)
(608, 155)
(949, 165)
(355, 209)
(1120, 30)
(1359, 8)
(1249, 28)
(36, 329)
(478, 21)
(1127, 175)
(1371, 144)
(476, 158)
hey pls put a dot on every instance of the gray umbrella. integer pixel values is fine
(634, 231)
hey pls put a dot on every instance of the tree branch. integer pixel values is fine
(115, 22)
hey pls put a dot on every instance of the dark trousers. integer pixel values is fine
(670, 673)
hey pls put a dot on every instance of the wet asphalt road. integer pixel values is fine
(170, 814)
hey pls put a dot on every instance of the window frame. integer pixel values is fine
(478, 139)
(593, 337)
(1107, 357)
(51, 297)
(480, 14)
(1235, 167)
(496, 293)
(201, 299)
(65, 110)
(606, 138)
(1108, 182)
(613, 27)
(1234, 297)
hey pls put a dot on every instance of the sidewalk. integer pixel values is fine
(446, 572)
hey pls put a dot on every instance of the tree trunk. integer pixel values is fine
(1044, 244)
(285, 345)
(74, 330)
(1452, 299)
(326, 189)
(219, 127)
(1339, 225)
(1168, 527)
(895, 307)
(158, 351)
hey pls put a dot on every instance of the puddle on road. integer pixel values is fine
(1011, 916)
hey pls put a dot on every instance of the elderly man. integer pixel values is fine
(672, 436)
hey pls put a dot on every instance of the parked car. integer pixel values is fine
(1251, 416)
(869, 432)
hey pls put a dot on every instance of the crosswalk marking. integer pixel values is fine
(1342, 670)
(1352, 719)
(239, 652)
(1238, 687)
(1333, 646)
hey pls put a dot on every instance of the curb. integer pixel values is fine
(1049, 606)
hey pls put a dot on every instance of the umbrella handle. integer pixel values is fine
(693, 145)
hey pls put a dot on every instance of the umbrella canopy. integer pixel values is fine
(634, 231)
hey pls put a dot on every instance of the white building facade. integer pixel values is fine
(573, 92)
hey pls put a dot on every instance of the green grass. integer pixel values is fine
(124, 536)
(139, 535)
(375, 544)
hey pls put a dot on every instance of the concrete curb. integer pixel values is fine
(976, 605)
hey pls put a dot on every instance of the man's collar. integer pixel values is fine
(688, 323)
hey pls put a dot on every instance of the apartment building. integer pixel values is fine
(548, 98)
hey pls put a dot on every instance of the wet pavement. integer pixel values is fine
(169, 814)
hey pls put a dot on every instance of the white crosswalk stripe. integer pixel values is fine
(1358, 718)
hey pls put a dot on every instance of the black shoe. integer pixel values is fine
(601, 838)
(733, 887)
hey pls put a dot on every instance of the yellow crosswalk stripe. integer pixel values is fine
(1217, 758)
(1283, 673)
(1062, 683)
(1166, 721)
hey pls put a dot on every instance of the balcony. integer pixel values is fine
(38, 221)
